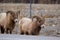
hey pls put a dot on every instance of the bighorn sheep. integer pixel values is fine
(31, 26)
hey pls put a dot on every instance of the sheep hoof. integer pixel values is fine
(22, 33)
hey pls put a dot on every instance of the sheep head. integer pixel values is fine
(39, 20)
(11, 15)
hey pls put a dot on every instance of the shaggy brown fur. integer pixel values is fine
(31, 26)
(9, 24)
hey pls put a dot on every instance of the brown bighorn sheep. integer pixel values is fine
(31, 26)
(9, 22)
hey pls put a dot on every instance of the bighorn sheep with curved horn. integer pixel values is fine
(8, 23)
(31, 26)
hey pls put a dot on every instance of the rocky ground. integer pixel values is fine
(26, 37)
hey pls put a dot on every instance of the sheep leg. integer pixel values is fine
(21, 32)
(11, 31)
(2, 30)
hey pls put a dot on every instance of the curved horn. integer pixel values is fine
(37, 17)
(40, 19)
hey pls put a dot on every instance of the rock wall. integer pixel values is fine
(41, 9)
